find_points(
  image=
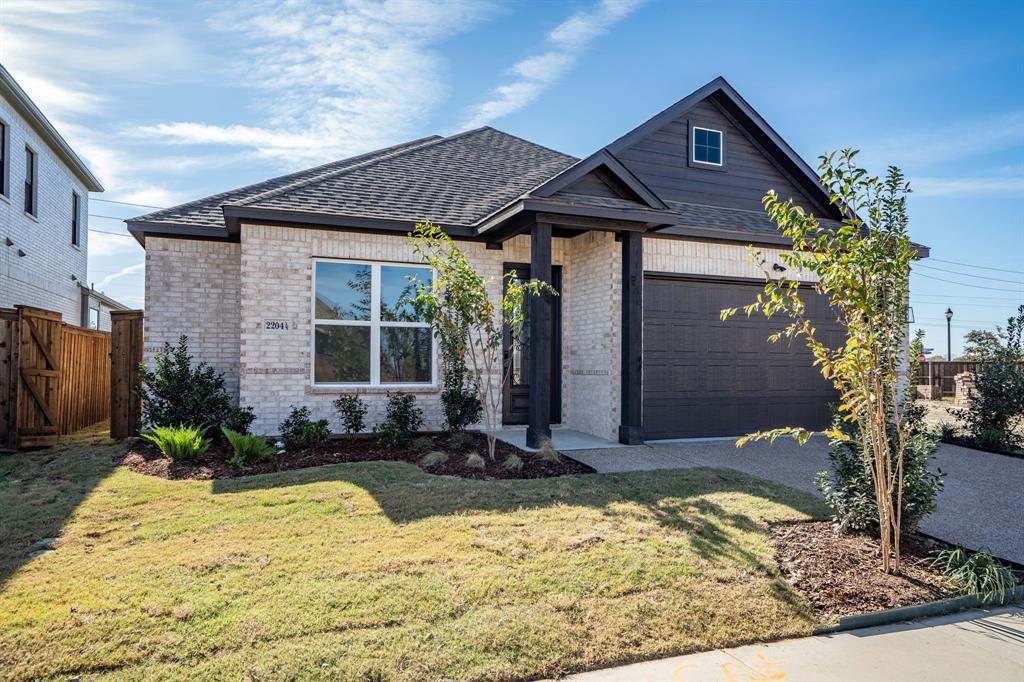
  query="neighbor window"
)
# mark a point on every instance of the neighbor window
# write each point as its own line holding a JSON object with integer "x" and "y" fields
{"x": 76, "y": 209}
{"x": 94, "y": 318}
{"x": 30, "y": 181}
{"x": 707, "y": 146}
{"x": 365, "y": 327}
{"x": 3, "y": 158}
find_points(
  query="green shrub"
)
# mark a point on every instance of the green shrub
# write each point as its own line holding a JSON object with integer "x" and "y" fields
{"x": 184, "y": 443}
{"x": 433, "y": 458}
{"x": 298, "y": 431}
{"x": 352, "y": 412}
{"x": 996, "y": 410}
{"x": 249, "y": 449}
{"x": 512, "y": 463}
{"x": 948, "y": 431}
{"x": 547, "y": 451}
{"x": 460, "y": 399}
{"x": 976, "y": 573}
{"x": 422, "y": 445}
{"x": 460, "y": 440}
{"x": 475, "y": 461}
{"x": 176, "y": 392}
{"x": 401, "y": 420}
{"x": 850, "y": 491}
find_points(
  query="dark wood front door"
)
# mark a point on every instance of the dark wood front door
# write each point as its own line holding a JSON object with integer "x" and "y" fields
{"x": 516, "y": 391}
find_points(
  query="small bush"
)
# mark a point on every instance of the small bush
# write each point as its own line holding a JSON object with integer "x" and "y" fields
{"x": 422, "y": 445}
{"x": 512, "y": 463}
{"x": 184, "y": 443}
{"x": 352, "y": 412}
{"x": 992, "y": 438}
{"x": 460, "y": 440}
{"x": 459, "y": 395}
{"x": 977, "y": 572}
{"x": 948, "y": 431}
{"x": 249, "y": 449}
{"x": 174, "y": 392}
{"x": 475, "y": 461}
{"x": 401, "y": 420}
{"x": 433, "y": 458}
{"x": 547, "y": 451}
{"x": 238, "y": 419}
{"x": 297, "y": 431}
{"x": 850, "y": 491}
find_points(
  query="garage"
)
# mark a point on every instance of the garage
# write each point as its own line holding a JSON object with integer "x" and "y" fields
{"x": 705, "y": 378}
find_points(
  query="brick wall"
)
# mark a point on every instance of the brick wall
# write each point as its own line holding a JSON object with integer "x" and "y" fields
{"x": 192, "y": 288}
{"x": 705, "y": 258}
{"x": 42, "y": 277}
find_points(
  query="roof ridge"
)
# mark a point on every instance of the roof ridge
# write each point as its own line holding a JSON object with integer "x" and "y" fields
{"x": 530, "y": 142}
{"x": 213, "y": 197}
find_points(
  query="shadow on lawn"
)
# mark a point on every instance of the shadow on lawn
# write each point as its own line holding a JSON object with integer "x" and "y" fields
{"x": 675, "y": 499}
{"x": 41, "y": 489}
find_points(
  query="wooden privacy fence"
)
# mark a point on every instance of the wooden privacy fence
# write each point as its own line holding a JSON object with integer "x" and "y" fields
{"x": 54, "y": 377}
{"x": 940, "y": 374}
{"x": 125, "y": 359}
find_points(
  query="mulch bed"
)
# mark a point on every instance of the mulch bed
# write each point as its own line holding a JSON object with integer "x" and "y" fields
{"x": 145, "y": 458}
{"x": 841, "y": 575}
{"x": 970, "y": 443}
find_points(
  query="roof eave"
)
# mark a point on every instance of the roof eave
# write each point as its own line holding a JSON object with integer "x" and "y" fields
{"x": 234, "y": 215}
{"x": 28, "y": 110}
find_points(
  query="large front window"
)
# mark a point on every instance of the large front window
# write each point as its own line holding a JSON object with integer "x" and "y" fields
{"x": 365, "y": 327}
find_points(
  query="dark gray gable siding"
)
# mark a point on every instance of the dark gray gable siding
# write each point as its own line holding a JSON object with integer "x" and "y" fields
{"x": 660, "y": 160}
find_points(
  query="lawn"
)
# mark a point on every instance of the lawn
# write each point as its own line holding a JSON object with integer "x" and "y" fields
{"x": 378, "y": 571}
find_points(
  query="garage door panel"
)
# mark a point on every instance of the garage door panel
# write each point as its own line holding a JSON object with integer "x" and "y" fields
{"x": 705, "y": 377}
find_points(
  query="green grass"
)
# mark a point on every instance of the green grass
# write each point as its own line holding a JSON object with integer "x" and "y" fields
{"x": 354, "y": 570}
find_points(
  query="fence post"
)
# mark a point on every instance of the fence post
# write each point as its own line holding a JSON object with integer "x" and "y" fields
{"x": 8, "y": 378}
{"x": 125, "y": 358}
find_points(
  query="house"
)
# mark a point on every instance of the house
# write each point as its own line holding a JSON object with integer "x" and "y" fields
{"x": 291, "y": 286}
{"x": 44, "y": 214}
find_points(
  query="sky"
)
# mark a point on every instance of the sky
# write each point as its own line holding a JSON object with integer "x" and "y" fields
{"x": 173, "y": 101}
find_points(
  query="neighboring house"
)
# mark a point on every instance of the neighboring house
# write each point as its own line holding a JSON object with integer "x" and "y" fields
{"x": 292, "y": 286}
{"x": 44, "y": 212}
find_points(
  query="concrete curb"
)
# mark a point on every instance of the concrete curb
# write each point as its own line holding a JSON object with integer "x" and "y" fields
{"x": 928, "y": 610}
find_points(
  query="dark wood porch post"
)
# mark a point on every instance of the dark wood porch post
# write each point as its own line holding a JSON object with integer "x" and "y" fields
{"x": 539, "y": 421}
{"x": 631, "y": 390}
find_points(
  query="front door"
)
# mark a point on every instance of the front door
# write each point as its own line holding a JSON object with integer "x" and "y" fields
{"x": 516, "y": 391}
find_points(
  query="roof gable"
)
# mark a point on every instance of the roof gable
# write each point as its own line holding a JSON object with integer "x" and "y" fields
{"x": 600, "y": 174}
{"x": 757, "y": 158}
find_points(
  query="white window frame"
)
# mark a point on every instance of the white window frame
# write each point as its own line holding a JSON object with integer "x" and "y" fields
{"x": 693, "y": 146}
{"x": 374, "y": 323}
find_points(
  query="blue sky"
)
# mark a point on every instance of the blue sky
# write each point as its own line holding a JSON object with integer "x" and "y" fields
{"x": 174, "y": 101}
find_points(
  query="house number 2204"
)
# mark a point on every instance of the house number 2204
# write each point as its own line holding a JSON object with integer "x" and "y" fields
{"x": 276, "y": 325}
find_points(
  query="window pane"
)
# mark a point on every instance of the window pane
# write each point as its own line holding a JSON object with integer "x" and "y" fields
{"x": 342, "y": 354}
{"x": 397, "y": 292}
{"x": 715, "y": 139}
{"x": 405, "y": 355}
{"x": 700, "y": 136}
{"x": 700, "y": 153}
{"x": 342, "y": 291}
{"x": 714, "y": 155}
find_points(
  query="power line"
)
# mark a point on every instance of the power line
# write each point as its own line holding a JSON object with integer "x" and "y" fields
{"x": 944, "y": 297}
{"x": 116, "y": 234}
{"x": 111, "y": 217}
{"x": 125, "y": 203}
{"x": 967, "y": 274}
{"x": 980, "y": 267}
{"x": 965, "y": 284}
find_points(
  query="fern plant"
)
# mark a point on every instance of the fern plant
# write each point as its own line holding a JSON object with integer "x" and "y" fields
{"x": 976, "y": 573}
{"x": 249, "y": 449}
{"x": 184, "y": 443}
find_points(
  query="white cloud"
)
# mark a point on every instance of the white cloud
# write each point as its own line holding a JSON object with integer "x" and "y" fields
{"x": 535, "y": 74}
{"x": 331, "y": 81}
{"x": 106, "y": 281}
{"x": 962, "y": 140}
{"x": 103, "y": 244}
{"x": 1010, "y": 185}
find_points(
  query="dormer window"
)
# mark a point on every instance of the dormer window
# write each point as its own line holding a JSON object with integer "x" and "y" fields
{"x": 706, "y": 146}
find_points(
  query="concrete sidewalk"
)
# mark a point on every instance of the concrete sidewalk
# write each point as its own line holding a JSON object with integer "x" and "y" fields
{"x": 979, "y": 507}
{"x": 976, "y": 646}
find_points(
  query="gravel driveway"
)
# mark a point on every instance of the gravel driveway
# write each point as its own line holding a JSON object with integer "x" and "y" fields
{"x": 982, "y": 504}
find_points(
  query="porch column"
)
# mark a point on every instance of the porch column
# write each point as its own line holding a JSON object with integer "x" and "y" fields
{"x": 631, "y": 389}
{"x": 539, "y": 419}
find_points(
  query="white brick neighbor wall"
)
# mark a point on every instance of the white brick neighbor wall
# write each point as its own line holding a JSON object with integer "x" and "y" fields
{"x": 42, "y": 277}
{"x": 220, "y": 293}
{"x": 192, "y": 288}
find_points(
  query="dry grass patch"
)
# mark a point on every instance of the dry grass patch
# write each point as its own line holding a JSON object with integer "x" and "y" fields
{"x": 350, "y": 570}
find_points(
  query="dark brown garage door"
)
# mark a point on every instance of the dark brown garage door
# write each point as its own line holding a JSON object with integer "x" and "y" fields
{"x": 704, "y": 377}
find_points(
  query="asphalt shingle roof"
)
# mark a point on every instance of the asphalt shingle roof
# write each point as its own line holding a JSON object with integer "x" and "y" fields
{"x": 455, "y": 180}
{"x": 700, "y": 215}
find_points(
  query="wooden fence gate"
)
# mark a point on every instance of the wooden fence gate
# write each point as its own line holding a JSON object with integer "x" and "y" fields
{"x": 54, "y": 377}
{"x": 125, "y": 359}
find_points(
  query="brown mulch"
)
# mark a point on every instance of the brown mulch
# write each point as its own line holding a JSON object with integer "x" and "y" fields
{"x": 841, "y": 575}
{"x": 145, "y": 458}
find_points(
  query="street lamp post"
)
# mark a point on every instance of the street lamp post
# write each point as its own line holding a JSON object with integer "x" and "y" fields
{"x": 949, "y": 334}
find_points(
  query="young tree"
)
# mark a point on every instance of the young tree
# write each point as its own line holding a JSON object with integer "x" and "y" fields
{"x": 460, "y": 310}
{"x": 980, "y": 345}
{"x": 863, "y": 267}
